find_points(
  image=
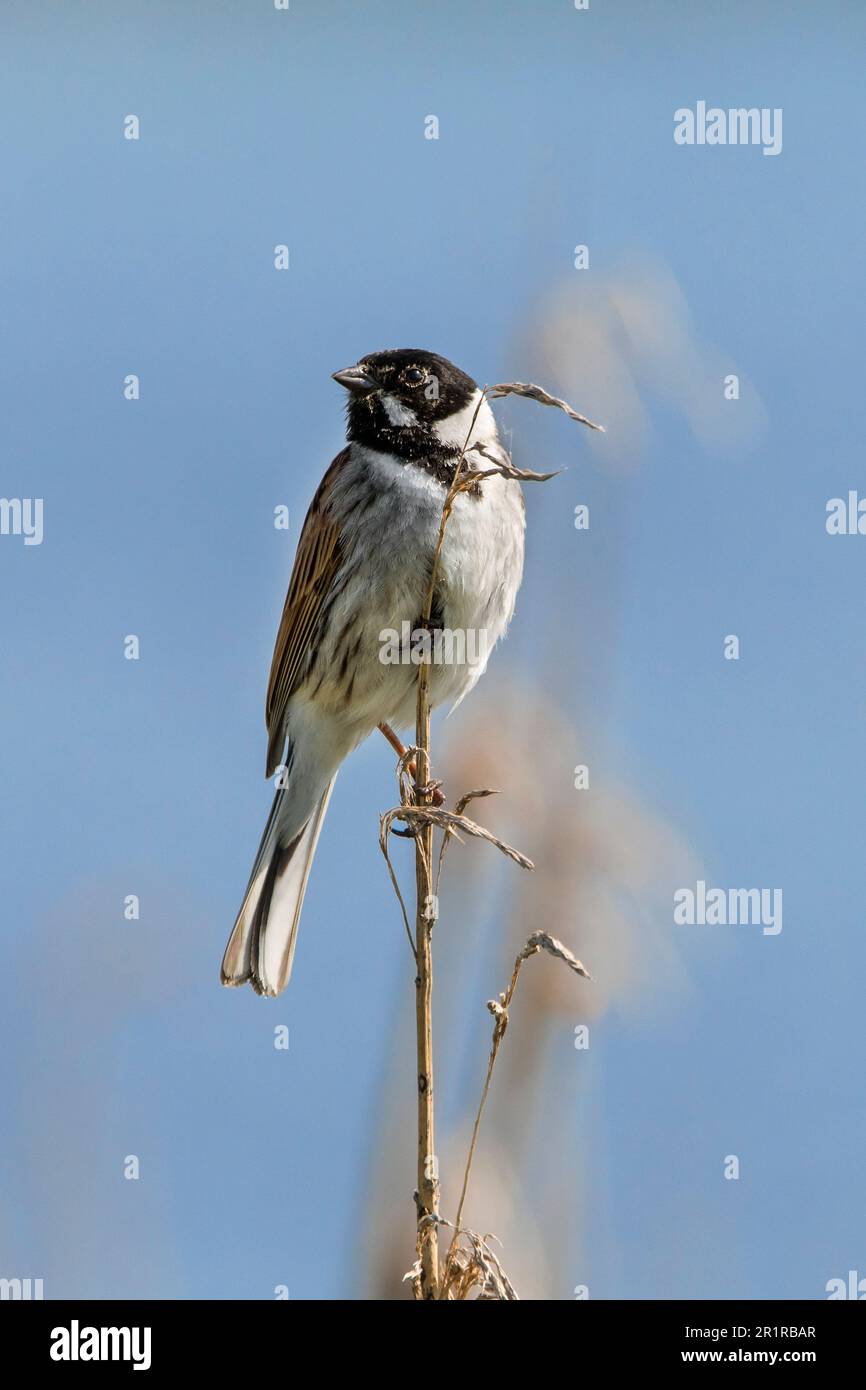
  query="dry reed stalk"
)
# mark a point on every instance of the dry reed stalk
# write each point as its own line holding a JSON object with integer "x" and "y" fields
{"x": 539, "y": 941}
{"x": 428, "y": 1178}
{"x": 475, "y": 1265}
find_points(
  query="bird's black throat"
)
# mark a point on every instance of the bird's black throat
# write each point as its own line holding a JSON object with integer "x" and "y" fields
{"x": 414, "y": 445}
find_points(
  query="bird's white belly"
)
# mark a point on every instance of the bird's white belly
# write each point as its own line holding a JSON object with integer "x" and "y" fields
{"x": 479, "y": 572}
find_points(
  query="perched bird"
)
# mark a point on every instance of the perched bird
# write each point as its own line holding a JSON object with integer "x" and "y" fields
{"x": 362, "y": 569}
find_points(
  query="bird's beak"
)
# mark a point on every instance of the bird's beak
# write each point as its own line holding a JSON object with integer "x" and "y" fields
{"x": 355, "y": 379}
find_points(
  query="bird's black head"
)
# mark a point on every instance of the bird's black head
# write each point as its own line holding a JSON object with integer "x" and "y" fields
{"x": 399, "y": 397}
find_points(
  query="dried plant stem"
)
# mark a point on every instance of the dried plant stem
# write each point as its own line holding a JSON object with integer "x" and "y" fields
{"x": 539, "y": 941}
{"x": 424, "y": 812}
{"x": 500, "y": 1023}
{"x": 538, "y": 393}
{"x": 428, "y": 1179}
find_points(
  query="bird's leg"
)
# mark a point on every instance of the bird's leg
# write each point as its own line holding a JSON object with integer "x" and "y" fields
{"x": 437, "y": 796}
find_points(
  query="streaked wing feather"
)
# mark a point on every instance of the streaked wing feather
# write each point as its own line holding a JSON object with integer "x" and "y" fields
{"x": 316, "y": 565}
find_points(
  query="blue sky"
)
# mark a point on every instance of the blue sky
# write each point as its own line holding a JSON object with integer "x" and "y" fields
{"x": 155, "y": 257}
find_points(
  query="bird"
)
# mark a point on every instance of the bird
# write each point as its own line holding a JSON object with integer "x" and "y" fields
{"x": 361, "y": 575}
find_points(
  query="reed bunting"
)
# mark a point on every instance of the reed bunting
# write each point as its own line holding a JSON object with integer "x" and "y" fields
{"x": 362, "y": 569}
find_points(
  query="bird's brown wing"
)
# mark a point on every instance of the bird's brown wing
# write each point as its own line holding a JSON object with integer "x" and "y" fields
{"x": 316, "y": 564}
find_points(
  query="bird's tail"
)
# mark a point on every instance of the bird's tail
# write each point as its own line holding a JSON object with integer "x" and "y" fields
{"x": 262, "y": 943}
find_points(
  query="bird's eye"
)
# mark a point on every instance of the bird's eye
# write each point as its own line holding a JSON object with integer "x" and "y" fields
{"x": 413, "y": 376}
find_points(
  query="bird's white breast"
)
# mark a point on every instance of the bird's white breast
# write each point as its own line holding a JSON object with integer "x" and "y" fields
{"x": 396, "y": 530}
